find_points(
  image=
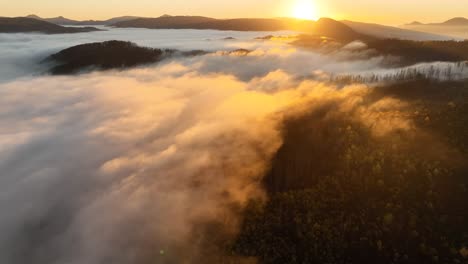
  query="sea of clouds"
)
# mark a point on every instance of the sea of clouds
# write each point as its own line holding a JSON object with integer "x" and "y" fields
{"x": 151, "y": 164}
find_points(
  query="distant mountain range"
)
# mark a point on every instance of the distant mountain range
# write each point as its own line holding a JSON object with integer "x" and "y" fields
{"x": 339, "y": 30}
{"x": 457, "y": 21}
{"x": 455, "y": 27}
{"x": 70, "y": 22}
{"x": 325, "y": 26}
{"x": 23, "y": 24}
{"x": 387, "y": 32}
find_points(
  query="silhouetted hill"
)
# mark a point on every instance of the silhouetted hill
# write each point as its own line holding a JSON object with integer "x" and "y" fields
{"x": 119, "y": 19}
{"x": 399, "y": 52}
{"x": 35, "y": 17}
{"x": 324, "y": 27}
{"x": 415, "y": 23}
{"x": 22, "y": 24}
{"x": 334, "y": 29}
{"x": 65, "y": 21}
{"x": 455, "y": 27}
{"x": 387, "y": 32}
{"x": 61, "y": 21}
{"x": 164, "y": 22}
{"x": 412, "y": 52}
{"x": 108, "y": 55}
{"x": 103, "y": 55}
{"x": 456, "y": 21}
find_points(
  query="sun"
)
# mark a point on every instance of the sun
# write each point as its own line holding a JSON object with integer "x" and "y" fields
{"x": 305, "y": 9}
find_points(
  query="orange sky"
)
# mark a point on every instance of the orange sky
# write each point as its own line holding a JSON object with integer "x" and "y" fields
{"x": 392, "y": 12}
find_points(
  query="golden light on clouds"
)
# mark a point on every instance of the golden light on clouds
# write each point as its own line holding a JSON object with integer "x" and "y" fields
{"x": 305, "y": 9}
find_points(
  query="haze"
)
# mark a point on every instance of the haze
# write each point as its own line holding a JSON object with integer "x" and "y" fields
{"x": 310, "y": 137}
{"x": 387, "y": 12}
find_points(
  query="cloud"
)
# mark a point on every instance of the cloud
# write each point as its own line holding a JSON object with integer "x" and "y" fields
{"x": 120, "y": 165}
{"x": 21, "y": 53}
{"x": 154, "y": 164}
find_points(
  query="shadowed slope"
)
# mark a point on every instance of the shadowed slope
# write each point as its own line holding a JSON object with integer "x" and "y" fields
{"x": 65, "y": 21}
{"x": 108, "y": 55}
{"x": 386, "y": 32}
{"x": 22, "y": 24}
{"x": 323, "y": 27}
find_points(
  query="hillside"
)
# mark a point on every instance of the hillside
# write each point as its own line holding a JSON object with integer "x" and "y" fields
{"x": 65, "y": 21}
{"x": 411, "y": 52}
{"x": 103, "y": 55}
{"x": 108, "y": 55}
{"x": 22, "y": 24}
{"x": 456, "y": 27}
{"x": 457, "y": 21}
{"x": 56, "y": 20}
{"x": 400, "y": 52}
{"x": 164, "y": 22}
{"x": 324, "y": 27}
{"x": 387, "y": 32}
{"x": 338, "y": 194}
{"x": 331, "y": 28}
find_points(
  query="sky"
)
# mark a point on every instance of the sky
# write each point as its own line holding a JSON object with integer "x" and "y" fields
{"x": 395, "y": 12}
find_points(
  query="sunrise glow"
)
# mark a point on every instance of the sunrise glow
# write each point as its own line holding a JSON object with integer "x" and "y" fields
{"x": 305, "y": 9}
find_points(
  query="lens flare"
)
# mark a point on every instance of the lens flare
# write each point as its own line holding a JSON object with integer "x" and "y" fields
{"x": 305, "y": 9}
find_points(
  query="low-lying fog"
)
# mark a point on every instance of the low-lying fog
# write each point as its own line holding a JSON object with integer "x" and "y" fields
{"x": 129, "y": 166}
{"x": 22, "y": 53}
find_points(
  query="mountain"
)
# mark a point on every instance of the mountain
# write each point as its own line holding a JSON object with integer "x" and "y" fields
{"x": 34, "y": 17}
{"x": 164, "y": 22}
{"x": 324, "y": 27}
{"x": 455, "y": 27}
{"x": 65, "y": 21}
{"x": 415, "y": 23}
{"x": 55, "y": 20}
{"x": 119, "y": 19}
{"x": 457, "y": 21}
{"x": 102, "y": 55}
{"x": 331, "y": 28}
{"x": 23, "y": 24}
{"x": 413, "y": 52}
{"x": 61, "y": 21}
{"x": 199, "y": 22}
{"x": 387, "y": 32}
{"x": 107, "y": 55}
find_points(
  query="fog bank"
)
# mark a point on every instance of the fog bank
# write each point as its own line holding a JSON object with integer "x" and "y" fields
{"x": 154, "y": 164}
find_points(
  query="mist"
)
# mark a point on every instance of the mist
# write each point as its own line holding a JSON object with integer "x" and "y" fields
{"x": 154, "y": 164}
{"x": 165, "y": 156}
{"x": 22, "y": 53}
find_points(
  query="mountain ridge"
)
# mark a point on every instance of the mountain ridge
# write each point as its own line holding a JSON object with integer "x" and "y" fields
{"x": 388, "y": 32}
{"x": 455, "y": 27}
{"x": 60, "y": 20}
{"x": 26, "y": 25}
{"x": 456, "y": 21}
{"x": 324, "y": 26}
